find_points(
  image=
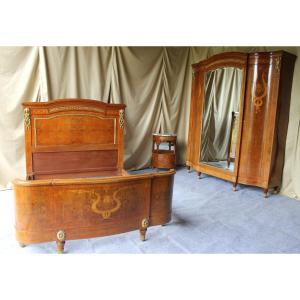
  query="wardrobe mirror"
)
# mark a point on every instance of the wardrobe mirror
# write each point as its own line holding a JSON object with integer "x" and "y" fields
{"x": 220, "y": 117}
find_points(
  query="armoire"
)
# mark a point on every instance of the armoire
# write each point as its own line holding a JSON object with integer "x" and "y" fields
{"x": 239, "y": 116}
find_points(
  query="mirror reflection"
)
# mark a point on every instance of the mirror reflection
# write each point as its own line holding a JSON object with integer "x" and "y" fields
{"x": 221, "y": 117}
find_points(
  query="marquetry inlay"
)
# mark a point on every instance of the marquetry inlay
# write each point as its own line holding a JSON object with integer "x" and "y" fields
{"x": 105, "y": 205}
{"x": 260, "y": 93}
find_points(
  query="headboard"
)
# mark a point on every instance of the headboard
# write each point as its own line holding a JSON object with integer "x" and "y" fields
{"x": 71, "y": 138}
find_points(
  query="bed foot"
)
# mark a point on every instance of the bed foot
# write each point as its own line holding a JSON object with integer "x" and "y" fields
{"x": 143, "y": 235}
{"x": 22, "y": 245}
{"x": 143, "y": 229}
{"x": 60, "y": 247}
{"x": 60, "y": 243}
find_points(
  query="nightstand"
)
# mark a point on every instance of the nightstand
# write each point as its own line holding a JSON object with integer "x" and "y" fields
{"x": 164, "y": 151}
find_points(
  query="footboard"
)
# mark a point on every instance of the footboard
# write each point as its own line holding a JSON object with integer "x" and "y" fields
{"x": 68, "y": 209}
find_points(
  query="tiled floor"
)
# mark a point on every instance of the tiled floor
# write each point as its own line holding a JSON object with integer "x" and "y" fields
{"x": 207, "y": 218}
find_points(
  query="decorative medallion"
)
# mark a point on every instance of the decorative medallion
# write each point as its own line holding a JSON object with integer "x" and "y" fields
{"x": 260, "y": 93}
{"x": 61, "y": 235}
{"x": 27, "y": 118}
{"x": 121, "y": 120}
{"x": 145, "y": 223}
{"x": 105, "y": 205}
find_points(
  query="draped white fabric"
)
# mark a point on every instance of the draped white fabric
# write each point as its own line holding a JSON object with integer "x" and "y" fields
{"x": 137, "y": 82}
{"x": 154, "y": 83}
{"x": 76, "y": 72}
{"x": 19, "y": 81}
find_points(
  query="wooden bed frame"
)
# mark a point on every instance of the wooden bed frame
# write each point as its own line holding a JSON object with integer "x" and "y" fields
{"x": 76, "y": 186}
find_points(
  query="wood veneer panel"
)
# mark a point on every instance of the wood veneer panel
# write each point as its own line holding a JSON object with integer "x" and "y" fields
{"x": 86, "y": 208}
{"x": 74, "y": 129}
{"x": 63, "y": 162}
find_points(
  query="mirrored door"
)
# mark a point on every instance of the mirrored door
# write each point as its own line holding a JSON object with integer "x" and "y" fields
{"x": 220, "y": 117}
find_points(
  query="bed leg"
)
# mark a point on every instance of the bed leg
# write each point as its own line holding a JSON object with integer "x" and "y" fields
{"x": 143, "y": 229}
{"x": 60, "y": 247}
{"x": 143, "y": 234}
{"x": 60, "y": 242}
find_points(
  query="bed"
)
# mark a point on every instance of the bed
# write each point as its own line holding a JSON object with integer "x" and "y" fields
{"x": 76, "y": 186}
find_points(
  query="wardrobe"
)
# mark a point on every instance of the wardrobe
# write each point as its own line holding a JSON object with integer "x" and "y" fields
{"x": 239, "y": 116}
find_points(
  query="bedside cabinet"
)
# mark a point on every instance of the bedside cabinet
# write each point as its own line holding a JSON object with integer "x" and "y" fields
{"x": 164, "y": 151}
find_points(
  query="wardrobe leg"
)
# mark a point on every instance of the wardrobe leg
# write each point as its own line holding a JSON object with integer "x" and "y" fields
{"x": 234, "y": 187}
{"x": 266, "y": 193}
{"x": 199, "y": 175}
{"x": 276, "y": 190}
{"x": 22, "y": 245}
{"x": 188, "y": 168}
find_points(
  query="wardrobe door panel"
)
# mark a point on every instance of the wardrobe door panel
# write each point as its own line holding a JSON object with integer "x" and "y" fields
{"x": 259, "y": 118}
{"x": 286, "y": 65}
{"x": 217, "y": 97}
